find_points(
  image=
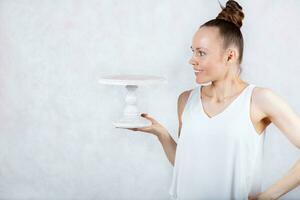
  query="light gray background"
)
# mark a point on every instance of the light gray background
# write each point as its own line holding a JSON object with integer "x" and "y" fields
{"x": 56, "y": 135}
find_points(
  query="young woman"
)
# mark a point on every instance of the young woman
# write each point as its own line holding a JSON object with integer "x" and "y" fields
{"x": 222, "y": 125}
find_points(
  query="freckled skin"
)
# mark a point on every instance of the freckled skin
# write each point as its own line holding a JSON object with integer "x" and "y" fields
{"x": 215, "y": 61}
{"x": 221, "y": 67}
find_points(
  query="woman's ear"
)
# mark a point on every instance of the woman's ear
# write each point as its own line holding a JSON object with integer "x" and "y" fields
{"x": 231, "y": 55}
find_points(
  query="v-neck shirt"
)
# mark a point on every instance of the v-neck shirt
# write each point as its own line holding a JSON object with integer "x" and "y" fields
{"x": 217, "y": 157}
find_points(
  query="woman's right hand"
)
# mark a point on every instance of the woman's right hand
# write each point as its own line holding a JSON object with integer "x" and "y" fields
{"x": 155, "y": 128}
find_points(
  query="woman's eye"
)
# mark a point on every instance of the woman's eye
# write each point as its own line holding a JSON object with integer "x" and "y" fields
{"x": 201, "y": 53}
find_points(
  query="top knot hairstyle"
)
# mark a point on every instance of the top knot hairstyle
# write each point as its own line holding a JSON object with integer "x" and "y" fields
{"x": 229, "y": 22}
{"x": 232, "y": 13}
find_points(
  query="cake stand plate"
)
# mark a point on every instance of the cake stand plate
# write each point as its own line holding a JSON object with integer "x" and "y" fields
{"x": 131, "y": 117}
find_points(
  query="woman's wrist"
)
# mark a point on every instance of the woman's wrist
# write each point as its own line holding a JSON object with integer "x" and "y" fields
{"x": 265, "y": 196}
{"x": 161, "y": 134}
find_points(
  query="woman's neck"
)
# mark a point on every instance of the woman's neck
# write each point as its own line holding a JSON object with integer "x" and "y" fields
{"x": 221, "y": 91}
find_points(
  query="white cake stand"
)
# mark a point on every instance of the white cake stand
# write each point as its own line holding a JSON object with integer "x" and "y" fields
{"x": 131, "y": 117}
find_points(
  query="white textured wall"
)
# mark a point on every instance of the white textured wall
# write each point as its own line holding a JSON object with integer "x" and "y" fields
{"x": 56, "y": 136}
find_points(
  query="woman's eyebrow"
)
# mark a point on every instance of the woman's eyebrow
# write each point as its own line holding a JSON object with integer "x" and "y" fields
{"x": 199, "y": 48}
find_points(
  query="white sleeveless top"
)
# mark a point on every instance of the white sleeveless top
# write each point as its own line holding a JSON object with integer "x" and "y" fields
{"x": 218, "y": 157}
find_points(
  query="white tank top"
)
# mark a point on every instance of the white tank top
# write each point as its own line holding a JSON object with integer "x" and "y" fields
{"x": 218, "y": 157}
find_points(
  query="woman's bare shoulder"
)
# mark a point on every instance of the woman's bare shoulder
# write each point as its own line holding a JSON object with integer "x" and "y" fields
{"x": 182, "y": 99}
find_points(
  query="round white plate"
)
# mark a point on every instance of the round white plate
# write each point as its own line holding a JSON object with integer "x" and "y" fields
{"x": 132, "y": 79}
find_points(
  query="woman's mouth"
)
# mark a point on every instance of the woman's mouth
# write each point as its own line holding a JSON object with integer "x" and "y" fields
{"x": 198, "y": 71}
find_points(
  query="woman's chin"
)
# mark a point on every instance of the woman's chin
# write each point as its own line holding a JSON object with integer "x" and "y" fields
{"x": 200, "y": 80}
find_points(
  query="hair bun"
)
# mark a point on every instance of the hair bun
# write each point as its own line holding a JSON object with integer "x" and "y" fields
{"x": 232, "y": 13}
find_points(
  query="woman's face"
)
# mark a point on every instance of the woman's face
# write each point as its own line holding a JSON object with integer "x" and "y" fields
{"x": 208, "y": 55}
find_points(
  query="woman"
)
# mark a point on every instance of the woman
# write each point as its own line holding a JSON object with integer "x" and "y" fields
{"x": 222, "y": 125}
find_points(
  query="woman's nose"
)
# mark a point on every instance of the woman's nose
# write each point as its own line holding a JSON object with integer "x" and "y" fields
{"x": 192, "y": 61}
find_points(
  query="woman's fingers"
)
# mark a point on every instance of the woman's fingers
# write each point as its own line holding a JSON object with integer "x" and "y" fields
{"x": 140, "y": 129}
{"x": 133, "y": 129}
{"x": 143, "y": 129}
{"x": 147, "y": 128}
{"x": 145, "y": 115}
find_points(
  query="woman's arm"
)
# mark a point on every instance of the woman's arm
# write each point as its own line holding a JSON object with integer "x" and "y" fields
{"x": 168, "y": 143}
{"x": 284, "y": 118}
{"x": 285, "y": 184}
{"x": 169, "y": 146}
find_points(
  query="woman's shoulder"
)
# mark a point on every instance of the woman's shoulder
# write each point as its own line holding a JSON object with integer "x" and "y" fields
{"x": 264, "y": 98}
{"x": 183, "y": 96}
{"x": 261, "y": 92}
